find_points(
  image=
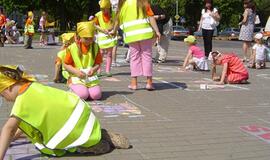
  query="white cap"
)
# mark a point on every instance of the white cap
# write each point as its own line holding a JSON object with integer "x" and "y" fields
{"x": 258, "y": 36}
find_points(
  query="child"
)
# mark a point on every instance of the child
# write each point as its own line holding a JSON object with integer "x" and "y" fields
{"x": 42, "y": 29}
{"x": 258, "y": 57}
{"x": 60, "y": 74}
{"x": 82, "y": 61}
{"x": 29, "y": 31}
{"x": 135, "y": 18}
{"x": 195, "y": 57}
{"x": 233, "y": 72}
{"x": 104, "y": 24}
{"x": 64, "y": 122}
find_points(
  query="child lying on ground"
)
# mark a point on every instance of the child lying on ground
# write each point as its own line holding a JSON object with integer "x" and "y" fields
{"x": 195, "y": 59}
{"x": 233, "y": 72}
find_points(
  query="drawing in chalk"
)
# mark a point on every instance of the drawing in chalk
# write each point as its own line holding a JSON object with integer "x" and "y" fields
{"x": 23, "y": 149}
{"x": 115, "y": 110}
{"x": 260, "y": 132}
{"x": 111, "y": 79}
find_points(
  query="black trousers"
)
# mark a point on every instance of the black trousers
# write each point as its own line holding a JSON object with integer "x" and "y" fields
{"x": 207, "y": 39}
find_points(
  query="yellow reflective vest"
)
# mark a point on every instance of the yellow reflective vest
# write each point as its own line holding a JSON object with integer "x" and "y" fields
{"x": 105, "y": 41}
{"x": 29, "y": 28}
{"x": 86, "y": 61}
{"x": 135, "y": 27}
{"x": 62, "y": 55}
{"x": 56, "y": 121}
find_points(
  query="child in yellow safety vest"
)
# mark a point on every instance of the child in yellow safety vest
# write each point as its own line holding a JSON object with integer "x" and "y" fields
{"x": 136, "y": 19}
{"x": 104, "y": 24}
{"x": 64, "y": 122}
{"x": 82, "y": 61}
{"x": 60, "y": 74}
{"x": 29, "y": 31}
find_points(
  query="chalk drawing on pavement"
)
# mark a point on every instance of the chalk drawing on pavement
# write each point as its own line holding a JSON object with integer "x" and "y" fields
{"x": 115, "y": 110}
{"x": 23, "y": 149}
{"x": 111, "y": 79}
{"x": 261, "y": 132}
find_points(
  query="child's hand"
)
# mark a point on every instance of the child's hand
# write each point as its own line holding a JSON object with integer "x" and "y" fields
{"x": 81, "y": 75}
{"x": 216, "y": 78}
{"x": 91, "y": 72}
{"x": 219, "y": 83}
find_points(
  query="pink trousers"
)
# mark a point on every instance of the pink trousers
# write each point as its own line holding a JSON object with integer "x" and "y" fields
{"x": 141, "y": 58}
{"x": 93, "y": 93}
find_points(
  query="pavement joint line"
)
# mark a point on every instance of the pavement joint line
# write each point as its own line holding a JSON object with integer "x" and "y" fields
{"x": 145, "y": 108}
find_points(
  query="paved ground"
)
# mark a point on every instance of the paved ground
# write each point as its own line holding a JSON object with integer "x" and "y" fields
{"x": 178, "y": 121}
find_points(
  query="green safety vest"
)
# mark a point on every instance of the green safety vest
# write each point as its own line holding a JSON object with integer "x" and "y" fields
{"x": 29, "y": 29}
{"x": 56, "y": 121}
{"x": 62, "y": 55}
{"x": 104, "y": 41}
{"x": 135, "y": 27}
{"x": 85, "y": 62}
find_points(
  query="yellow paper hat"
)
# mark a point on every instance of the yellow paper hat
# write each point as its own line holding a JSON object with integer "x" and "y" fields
{"x": 30, "y": 14}
{"x": 10, "y": 75}
{"x": 67, "y": 38}
{"x": 190, "y": 39}
{"x": 105, "y": 4}
{"x": 86, "y": 29}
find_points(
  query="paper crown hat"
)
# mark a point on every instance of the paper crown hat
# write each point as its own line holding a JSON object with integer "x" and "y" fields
{"x": 30, "y": 14}
{"x": 190, "y": 39}
{"x": 105, "y": 4}
{"x": 85, "y": 29}
{"x": 10, "y": 75}
{"x": 67, "y": 37}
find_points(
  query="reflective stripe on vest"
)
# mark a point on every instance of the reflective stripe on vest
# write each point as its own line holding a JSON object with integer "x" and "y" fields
{"x": 53, "y": 131}
{"x": 105, "y": 41}
{"x": 68, "y": 127}
{"x": 87, "y": 61}
{"x": 135, "y": 27}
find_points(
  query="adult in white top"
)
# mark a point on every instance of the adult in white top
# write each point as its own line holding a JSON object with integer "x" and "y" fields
{"x": 209, "y": 20}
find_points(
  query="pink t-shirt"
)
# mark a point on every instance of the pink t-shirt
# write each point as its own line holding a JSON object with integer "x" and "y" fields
{"x": 236, "y": 69}
{"x": 196, "y": 51}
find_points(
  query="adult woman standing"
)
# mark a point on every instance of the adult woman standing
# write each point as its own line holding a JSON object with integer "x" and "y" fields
{"x": 248, "y": 22}
{"x": 208, "y": 23}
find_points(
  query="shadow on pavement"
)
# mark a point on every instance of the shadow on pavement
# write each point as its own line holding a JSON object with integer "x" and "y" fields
{"x": 107, "y": 94}
{"x": 171, "y": 85}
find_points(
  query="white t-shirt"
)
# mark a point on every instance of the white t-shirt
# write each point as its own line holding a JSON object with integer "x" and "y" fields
{"x": 260, "y": 51}
{"x": 207, "y": 20}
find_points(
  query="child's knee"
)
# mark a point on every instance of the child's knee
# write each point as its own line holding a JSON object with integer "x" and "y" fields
{"x": 96, "y": 95}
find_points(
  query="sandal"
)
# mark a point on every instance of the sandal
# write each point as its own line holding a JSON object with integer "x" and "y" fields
{"x": 132, "y": 87}
{"x": 150, "y": 87}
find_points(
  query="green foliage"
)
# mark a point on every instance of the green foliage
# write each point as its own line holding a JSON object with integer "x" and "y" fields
{"x": 72, "y": 11}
